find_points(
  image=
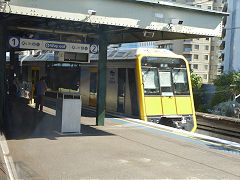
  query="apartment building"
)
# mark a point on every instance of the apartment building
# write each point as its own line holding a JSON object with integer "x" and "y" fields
{"x": 202, "y": 54}
{"x": 231, "y": 36}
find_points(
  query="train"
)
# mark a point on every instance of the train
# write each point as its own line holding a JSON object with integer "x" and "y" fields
{"x": 150, "y": 84}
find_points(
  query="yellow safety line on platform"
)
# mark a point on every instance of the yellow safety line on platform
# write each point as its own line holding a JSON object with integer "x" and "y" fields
{"x": 219, "y": 144}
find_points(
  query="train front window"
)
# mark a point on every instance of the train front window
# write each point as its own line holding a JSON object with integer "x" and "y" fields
{"x": 180, "y": 82}
{"x": 166, "y": 83}
{"x": 164, "y": 76}
{"x": 150, "y": 81}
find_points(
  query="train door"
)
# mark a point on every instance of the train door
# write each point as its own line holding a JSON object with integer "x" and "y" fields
{"x": 93, "y": 87}
{"x": 35, "y": 76}
{"x": 121, "y": 90}
{"x": 132, "y": 81}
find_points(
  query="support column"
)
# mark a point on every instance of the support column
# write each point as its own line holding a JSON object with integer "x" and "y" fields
{"x": 12, "y": 57}
{"x": 2, "y": 74}
{"x": 12, "y": 66}
{"x": 101, "y": 93}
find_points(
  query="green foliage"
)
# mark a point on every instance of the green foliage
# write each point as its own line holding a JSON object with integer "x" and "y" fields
{"x": 202, "y": 108}
{"x": 236, "y": 83}
{"x": 196, "y": 85}
{"x": 224, "y": 80}
{"x": 196, "y": 81}
{"x": 220, "y": 96}
{"x": 226, "y": 85}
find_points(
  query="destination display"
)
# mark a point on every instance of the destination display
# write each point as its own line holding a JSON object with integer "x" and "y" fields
{"x": 76, "y": 57}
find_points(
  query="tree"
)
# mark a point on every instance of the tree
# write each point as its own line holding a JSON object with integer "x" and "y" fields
{"x": 236, "y": 84}
{"x": 225, "y": 86}
{"x": 196, "y": 85}
{"x": 196, "y": 81}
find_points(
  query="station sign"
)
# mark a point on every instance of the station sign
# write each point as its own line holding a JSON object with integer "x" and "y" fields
{"x": 27, "y": 43}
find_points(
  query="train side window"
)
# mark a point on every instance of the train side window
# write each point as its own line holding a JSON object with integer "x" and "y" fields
{"x": 150, "y": 81}
{"x": 180, "y": 82}
{"x": 166, "y": 83}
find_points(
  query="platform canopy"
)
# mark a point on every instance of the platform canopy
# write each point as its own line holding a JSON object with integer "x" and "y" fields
{"x": 103, "y": 22}
{"x": 123, "y": 21}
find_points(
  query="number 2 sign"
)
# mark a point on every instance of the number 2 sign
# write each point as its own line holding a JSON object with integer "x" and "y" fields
{"x": 94, "y": 48}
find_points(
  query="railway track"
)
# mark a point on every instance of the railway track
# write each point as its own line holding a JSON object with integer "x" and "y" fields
{"x": 222, "y": 129}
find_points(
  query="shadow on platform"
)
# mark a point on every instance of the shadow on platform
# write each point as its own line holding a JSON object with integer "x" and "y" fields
{"x": 24, "y": 122}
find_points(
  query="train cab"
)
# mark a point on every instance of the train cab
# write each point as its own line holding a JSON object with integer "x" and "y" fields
{"x": 165, "y": 90}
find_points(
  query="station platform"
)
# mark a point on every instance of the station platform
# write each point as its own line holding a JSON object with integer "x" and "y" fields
{"x": 122, "y": 149}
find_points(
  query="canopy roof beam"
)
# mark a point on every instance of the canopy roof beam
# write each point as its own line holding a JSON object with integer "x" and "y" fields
{"x": 125, "y": 16}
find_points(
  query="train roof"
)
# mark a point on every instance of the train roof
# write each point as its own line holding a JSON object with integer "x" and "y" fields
{"x": 112, "y": 54}
{"x": 40, "y": 57}
{"x": 132, "y": 53}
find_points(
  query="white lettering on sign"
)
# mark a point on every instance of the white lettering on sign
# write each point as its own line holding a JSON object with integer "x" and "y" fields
{"x": 25, "y": 43}
{"x": 30, "y": 43}
{"x": 76, "y": 47}
{"x": 55, "y": 45}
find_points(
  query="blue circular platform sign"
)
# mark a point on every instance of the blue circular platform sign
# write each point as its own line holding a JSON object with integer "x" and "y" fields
{"x": 13, "y": 42}
{"x": 93, "y": 48}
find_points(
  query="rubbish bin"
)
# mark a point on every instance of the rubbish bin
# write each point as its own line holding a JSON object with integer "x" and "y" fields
{"x": 68, "y": 113}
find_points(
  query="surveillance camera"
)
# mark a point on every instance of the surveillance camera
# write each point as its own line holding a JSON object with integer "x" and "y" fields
{"x": 180, "y": 22}
{"x": 176, "y": 21}
{"x": 92, "y": 12}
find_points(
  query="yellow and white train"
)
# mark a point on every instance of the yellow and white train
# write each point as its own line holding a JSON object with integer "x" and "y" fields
{"x": 151, "y": 84}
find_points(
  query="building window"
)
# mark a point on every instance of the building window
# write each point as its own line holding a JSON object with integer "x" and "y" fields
{"x": 206, "y": 57}
{"x": 195, "y": 56}
{"x": 212, "y": 48}
{"x": 205, "y": 76}
{"x": 214, "y": 8}
{"x": 196, "y": 46}
{"x": 212, "y": 58}
{"x": 195, "y": 66}
{"x": 199, "y": 6}
{"x": 215, "y": 1}
{"x": 207, "y": 47}
{"x": 190, "y": 0}
{"x": 211, "y": 67}
{"x": 187, "y": 49}
{"x": 209, "y": 7}
{"x": 211, "y": 76}
{"x": 206, "y": 67}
